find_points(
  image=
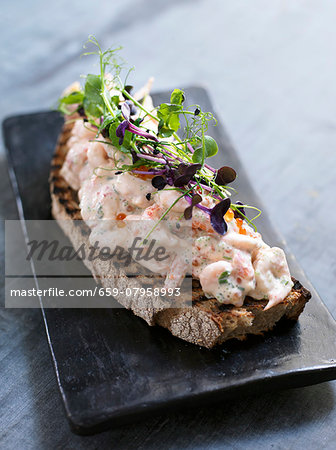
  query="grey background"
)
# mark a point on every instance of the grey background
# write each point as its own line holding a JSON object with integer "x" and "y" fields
{"x": 270, "y": 68}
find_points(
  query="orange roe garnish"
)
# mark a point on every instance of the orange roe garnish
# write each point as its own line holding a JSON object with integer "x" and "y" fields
{"x": 229, "y": 215}
{"x": 121, "y": 216}
{"x": 239, "y": 223}
{"x": 142, "y": 175}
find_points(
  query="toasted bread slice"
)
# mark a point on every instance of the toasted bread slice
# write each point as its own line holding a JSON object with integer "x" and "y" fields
{"x": 207, "y": 322}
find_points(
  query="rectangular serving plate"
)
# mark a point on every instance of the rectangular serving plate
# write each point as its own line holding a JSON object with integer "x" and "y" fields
{"x": 111, "y": 367}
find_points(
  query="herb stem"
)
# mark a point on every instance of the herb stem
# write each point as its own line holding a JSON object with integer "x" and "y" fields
{"x": 107, "y": 103}
{"x": 151, "y": 158}
{"x": 102, "y": 76}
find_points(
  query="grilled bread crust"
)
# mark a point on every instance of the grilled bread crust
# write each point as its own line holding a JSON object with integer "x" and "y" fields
{"x": 207, "y": 323}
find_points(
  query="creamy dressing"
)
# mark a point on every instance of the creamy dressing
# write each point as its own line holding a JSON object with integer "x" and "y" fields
{"x": 229, "y": 267}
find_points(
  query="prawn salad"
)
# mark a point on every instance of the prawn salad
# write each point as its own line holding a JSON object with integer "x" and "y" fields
{"x": 127, "y": 163}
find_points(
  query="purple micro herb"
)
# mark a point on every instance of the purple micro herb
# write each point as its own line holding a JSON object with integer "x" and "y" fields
{"x": 225, "y": 175}
{"x": 169, "y": 175}
{"x": 239, "y": 213}
{"x": 185, "y": 173}
{"x": 81, "y": 111}
{"x": 159, "y": 182}
{"x": 148, "y": 172}
{"x": 120, "y": 131}
{"x": 136, "y": 130}
{"x": 151, "y": 158}
{"x": 133, "y": 108}
{"x": 190, "y": 147}
{"x": 196, "y": 198}
{"x": 135, "y": 157}
{"x": 128, "y": 88}
{"x": 217, "y": 216}
{"x": 126, "y": 110}
{"x": 127, "y": 125}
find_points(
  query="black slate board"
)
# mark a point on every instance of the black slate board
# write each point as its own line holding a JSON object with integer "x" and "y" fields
{"x": 111, "y": 367}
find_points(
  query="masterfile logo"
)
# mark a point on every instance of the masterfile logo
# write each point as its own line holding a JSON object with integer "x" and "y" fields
{"x": 107, "y": 261}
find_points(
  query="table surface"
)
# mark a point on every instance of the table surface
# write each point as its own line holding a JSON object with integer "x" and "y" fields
{"x": 269, "y": 67}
